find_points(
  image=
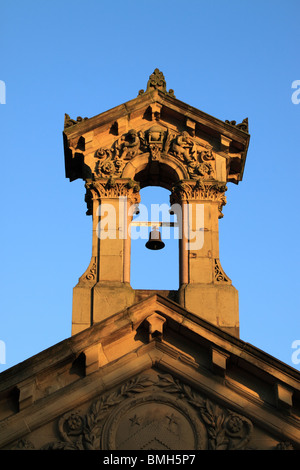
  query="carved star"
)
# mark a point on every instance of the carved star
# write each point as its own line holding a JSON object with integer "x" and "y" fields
{"x": 171, "y": 419}
{"x": 135, "y": 420}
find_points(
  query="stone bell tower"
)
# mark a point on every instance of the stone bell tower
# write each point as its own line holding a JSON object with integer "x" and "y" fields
{"x": 155, "y": 140}
{"x": 152, "y": 370}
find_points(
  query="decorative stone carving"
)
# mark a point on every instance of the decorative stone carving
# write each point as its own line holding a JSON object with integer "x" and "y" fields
{"x": 112, "y": 161}
{"x": 243, "y": 126}
{"x": 197, "y": 159}
{"x": 220, "y": 276}
{"x": 128, "y": 146}
{"x": 153, "y": 411}
{"x": 112, "y": 188}
{"x": 158, "y": 142}
{"x": 157, "y": 82}
{"x": 284, "y": 446}
{"x": 155, "y": 139}
{"x": 107, "y": 165}
{"x": 24, "y": 444}
{"x": 71, "y": 122}
{"x": 91, "y": 273}
{"x": 200, "y": 190}
{"x": 184, "y": 147}
{"x": 160, "y": 422}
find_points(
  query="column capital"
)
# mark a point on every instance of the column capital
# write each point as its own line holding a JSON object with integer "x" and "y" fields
{"x": 103, "y": 188}
{"x": 198, "y": 190}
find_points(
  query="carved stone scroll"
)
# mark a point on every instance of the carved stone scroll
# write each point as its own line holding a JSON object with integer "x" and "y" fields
{"x": 243, "y": 126}
{"x": 220, "y": 275}
{"x": 71, "y": 122}
{"x": 158, "y": 143}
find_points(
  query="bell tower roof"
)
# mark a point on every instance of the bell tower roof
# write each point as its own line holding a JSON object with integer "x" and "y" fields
{"x": 156, "y": 104}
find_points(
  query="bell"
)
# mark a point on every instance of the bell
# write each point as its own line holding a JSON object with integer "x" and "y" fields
{"x": 155, "y": 242}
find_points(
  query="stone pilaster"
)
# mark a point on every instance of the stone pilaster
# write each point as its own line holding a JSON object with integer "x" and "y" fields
{"x": 104, "y": 288}
{"x": 204, "y": 287}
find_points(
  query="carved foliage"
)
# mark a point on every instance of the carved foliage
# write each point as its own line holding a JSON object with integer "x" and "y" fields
{"x": 70, "y": 122}
{"x": 200, "y": 190}
{"x": 199, "y": 160}
{"x": 225, "y": 429}
{"x": 157, "y": 82}
{"x": 111, "y": 188}
{"x": 243, "y": 126}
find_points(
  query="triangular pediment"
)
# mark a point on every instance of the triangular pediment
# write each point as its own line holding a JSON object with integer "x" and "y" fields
{"x": 88, "y": 141}
{"x": 153, "y": 366}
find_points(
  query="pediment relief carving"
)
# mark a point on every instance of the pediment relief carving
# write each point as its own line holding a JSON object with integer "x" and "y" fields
{"x": 151, "y": 411}
{"x": 159, "y": 143}
{"x": 160, "y": 106}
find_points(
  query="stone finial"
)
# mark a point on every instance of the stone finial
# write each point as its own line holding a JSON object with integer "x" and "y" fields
{"x": 157, "y": 82}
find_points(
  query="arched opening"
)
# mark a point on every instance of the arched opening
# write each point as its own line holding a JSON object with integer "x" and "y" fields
{"x": 154, "y": 270}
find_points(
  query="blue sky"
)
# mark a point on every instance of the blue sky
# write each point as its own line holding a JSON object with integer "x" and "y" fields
{"x": 229, "y": 59}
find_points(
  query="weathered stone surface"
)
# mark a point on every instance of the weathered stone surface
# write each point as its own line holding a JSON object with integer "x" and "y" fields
{"x": 155, "y": 139}
{"x": 152, "y": 370}
{"x": 116, "y": 385}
